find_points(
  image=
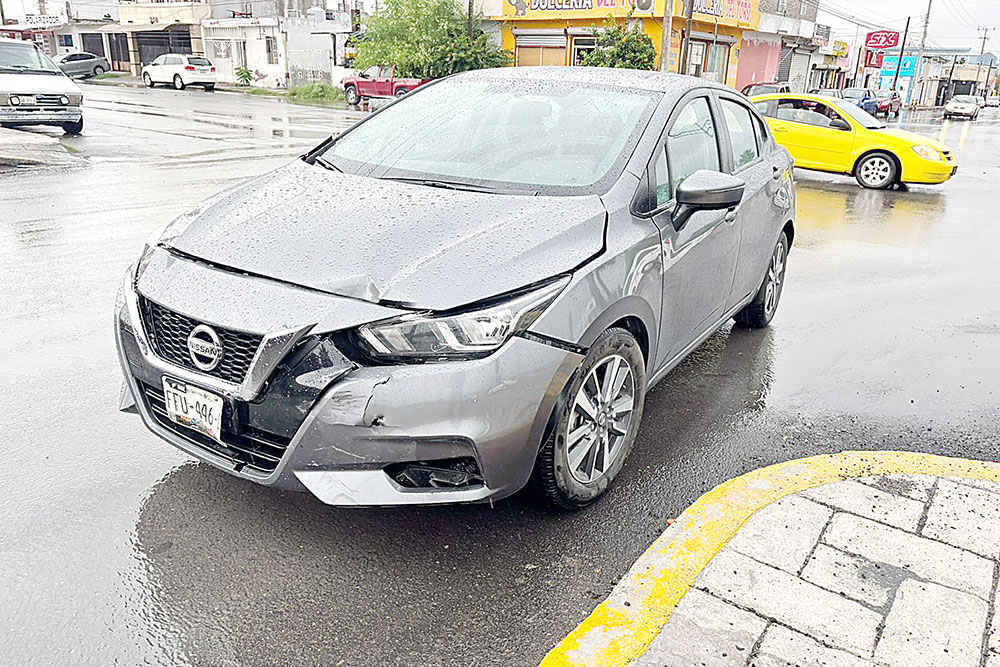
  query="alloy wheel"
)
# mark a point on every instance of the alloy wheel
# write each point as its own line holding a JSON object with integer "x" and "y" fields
{"x": 600, "y": 419}
{"x": 775, "y": 274}
{"x": 876, "y": 171}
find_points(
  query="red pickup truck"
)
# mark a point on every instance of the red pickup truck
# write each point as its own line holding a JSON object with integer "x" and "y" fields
{"x": 377, "y": 82}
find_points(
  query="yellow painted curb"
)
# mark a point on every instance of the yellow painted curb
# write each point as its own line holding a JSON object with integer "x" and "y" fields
{"x": 620, "y": 628}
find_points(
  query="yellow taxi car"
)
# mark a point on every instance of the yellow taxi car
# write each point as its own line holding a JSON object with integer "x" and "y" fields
{"x": 834, "y": 135}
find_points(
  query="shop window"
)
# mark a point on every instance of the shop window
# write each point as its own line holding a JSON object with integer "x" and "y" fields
{"x": 540, "y": 55}
{"x": 708, "y": 61}
{"x": 65, "y": 40}
{"x": 741, "y": 133}
{"x": 272, "y": 50}
{"x": 692, "y": 143}
{"x": 581, "y": 47}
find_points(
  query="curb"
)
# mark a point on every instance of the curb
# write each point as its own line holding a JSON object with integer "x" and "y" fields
{"x": 621, "y": 628}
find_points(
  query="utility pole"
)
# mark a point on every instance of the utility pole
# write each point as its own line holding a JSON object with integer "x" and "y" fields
{"x": 2, "y": 20}
{"x": 951, "y": 75}
{"x": 920, "y": 58}
{"x": 666, "y": 39}
{"x": 686, "y": 51}
{"x": 902, "y": 47}
{"x": 982, "y": 49}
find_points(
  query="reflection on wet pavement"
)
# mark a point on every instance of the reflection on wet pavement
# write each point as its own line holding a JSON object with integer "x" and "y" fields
{"x": 116, "y": 549}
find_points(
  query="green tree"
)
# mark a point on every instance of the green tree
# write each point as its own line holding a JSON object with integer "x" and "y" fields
{"x": 621, "y": 46}
{"x": 426, "y": 39}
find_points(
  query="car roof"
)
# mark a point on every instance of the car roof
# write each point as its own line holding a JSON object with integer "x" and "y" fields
{"x": 662, "y": 82}
{"x": 811, "y": 97}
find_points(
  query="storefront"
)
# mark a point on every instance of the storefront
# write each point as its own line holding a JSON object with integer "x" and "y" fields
{"x": 561, "y": 32}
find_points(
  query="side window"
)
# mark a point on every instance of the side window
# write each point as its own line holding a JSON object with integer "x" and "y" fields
{"x": 763, "y": 108}
{"x": 661, "y": 180}
{"x": 372, "y": 71}
{"x": 741, "y": 132}
{"x": 692, "y": 143}
{"x": 807, "y": 112}
{"x": 158, "y": 61}
{"x": 761, "y": 128}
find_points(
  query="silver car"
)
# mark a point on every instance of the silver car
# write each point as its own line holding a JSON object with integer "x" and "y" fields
{"x": 443, "y": 306}
{"x": 82, "y": 64}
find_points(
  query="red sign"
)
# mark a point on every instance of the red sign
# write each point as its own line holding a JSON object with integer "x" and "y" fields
{"x": 882, "y": 39}
{"x": 874, "y": 59}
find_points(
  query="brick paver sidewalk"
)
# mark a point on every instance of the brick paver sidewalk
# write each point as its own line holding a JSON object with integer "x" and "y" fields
{"x": 894, "y": 571}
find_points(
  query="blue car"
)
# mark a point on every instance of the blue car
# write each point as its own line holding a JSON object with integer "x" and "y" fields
{"x": 864, "y": 98}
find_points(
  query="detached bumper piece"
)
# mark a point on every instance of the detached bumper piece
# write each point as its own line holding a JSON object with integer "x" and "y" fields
{"x": 444, "y": 473}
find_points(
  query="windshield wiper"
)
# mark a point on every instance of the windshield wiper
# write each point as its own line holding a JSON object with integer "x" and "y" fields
{"x": 323, "y": 162}
{"x": 452, "y": 185}
{"x": 25, "y": 68}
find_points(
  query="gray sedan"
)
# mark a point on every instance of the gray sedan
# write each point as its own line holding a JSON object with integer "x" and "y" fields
{"x": 82, "y": 64}
{"x": 446, "y": 307}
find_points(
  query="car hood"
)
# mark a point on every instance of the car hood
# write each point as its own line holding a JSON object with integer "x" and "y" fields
{"x": 389, "y": 242}
{"x": 58, "y": 84}
{"x": 912, "y": 138}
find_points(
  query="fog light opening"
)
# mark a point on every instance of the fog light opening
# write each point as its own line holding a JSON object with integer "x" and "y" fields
{"x": 440, "y": 473}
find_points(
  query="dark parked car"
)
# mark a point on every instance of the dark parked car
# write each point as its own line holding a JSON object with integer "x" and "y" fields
{"x": 82, "y": 64}
{"x": 889, "y": 103}
{"x": 438, "y": 308}
{"x": 863, "y": 97}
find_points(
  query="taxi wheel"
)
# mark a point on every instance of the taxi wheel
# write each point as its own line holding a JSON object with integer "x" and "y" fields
{"x": 876, "y": 171}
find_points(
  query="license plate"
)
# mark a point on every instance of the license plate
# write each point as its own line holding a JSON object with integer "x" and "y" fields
{"x": 193, "y": 407}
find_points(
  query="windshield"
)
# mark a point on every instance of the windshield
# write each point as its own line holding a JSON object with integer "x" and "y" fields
{"x": 861, "y": 116}
{"x": 550, "y": 135}
{"x": 24, "y": 58}
{"x": 854, "y": 93}
{"x": 964, "y": 99}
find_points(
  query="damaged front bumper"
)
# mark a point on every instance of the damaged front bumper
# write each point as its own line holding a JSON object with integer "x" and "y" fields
{"x": 352, "y": 434}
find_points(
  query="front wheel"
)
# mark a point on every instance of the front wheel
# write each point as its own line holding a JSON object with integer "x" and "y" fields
{"x": 98, "y": 71}
{"x": 876, "y": 171}
{"x": 178, "y": 82}
{"x": 75, "y": 127}
{"x": 148, "y": 80}
{"x": 351, "y": 95}
{"x": 595, "y": 424}
{"x": 758, "y": 313}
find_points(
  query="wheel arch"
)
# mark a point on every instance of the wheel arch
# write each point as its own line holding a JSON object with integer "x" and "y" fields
{"x": 789, "y": 230}
{"x": 632, "y": 314}
{"x": 884, "y": 151}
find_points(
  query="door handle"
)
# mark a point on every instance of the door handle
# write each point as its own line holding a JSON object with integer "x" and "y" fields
{"x": 779, "y": 129}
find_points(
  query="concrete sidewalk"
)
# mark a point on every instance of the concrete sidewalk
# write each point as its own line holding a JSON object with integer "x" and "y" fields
{"x": 857, "y": 559}
{"x": 22, "y": 147}
{"x": 897, "y": 571}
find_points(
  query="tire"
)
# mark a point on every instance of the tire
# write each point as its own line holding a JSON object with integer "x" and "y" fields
{"x": 73, "y": 128}
{"x": 148, "y": 80}
{"x": 209, "y": 87}
{"x": 758, "y": 313}
{"x": 351, "y": 95}
{"x": 401, "y": 91}
{"x": 178, "y": 82}
{"x": 603, "y": 443}
{"x": 98, "y": 70}
{"x": 876, "y": 171}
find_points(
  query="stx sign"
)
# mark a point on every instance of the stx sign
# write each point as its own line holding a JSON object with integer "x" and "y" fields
{"x": 882, "y": 39}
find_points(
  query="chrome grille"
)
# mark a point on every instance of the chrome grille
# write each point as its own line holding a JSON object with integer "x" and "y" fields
{"x": 168, "y": 332}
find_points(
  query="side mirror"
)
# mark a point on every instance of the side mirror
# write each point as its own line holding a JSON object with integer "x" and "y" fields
{"x": 840, "y": 124}
{"x": 706, "y": 191}
{"x": 363, "y": 75}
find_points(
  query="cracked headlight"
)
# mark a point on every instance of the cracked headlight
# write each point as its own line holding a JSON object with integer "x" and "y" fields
{"x": 927, "y": 153}
{"x": 476, "y": 331}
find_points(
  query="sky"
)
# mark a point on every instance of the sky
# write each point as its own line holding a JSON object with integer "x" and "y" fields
{"x": 953, "y": 22}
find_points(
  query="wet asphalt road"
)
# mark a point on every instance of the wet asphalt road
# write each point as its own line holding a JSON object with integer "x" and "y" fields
{"x": 116, "y": 549}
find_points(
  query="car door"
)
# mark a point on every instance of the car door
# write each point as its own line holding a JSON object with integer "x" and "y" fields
{"x": 803, "y": 126}
{"x": 72, "y": 64}
{"x": 154, "y": 69}
{"x": 383, "y": 82}
{"x": 754, "y": 161}
{"x": 699, "y": 259}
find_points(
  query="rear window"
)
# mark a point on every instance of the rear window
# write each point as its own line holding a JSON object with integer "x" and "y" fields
{"x": 203, "y": 62}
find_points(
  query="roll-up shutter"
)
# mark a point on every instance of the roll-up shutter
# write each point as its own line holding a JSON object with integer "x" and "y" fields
{"x": 798, "y": 77}
{"x": 784, "y": 63}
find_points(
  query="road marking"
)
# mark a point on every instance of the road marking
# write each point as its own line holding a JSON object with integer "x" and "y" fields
{"x": 620, "y": 628}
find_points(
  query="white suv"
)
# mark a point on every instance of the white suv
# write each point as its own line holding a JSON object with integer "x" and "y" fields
{"x": 180, "y": 70}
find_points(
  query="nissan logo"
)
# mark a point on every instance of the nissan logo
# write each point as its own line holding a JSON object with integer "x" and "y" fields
{"x": 205, "y": 347}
